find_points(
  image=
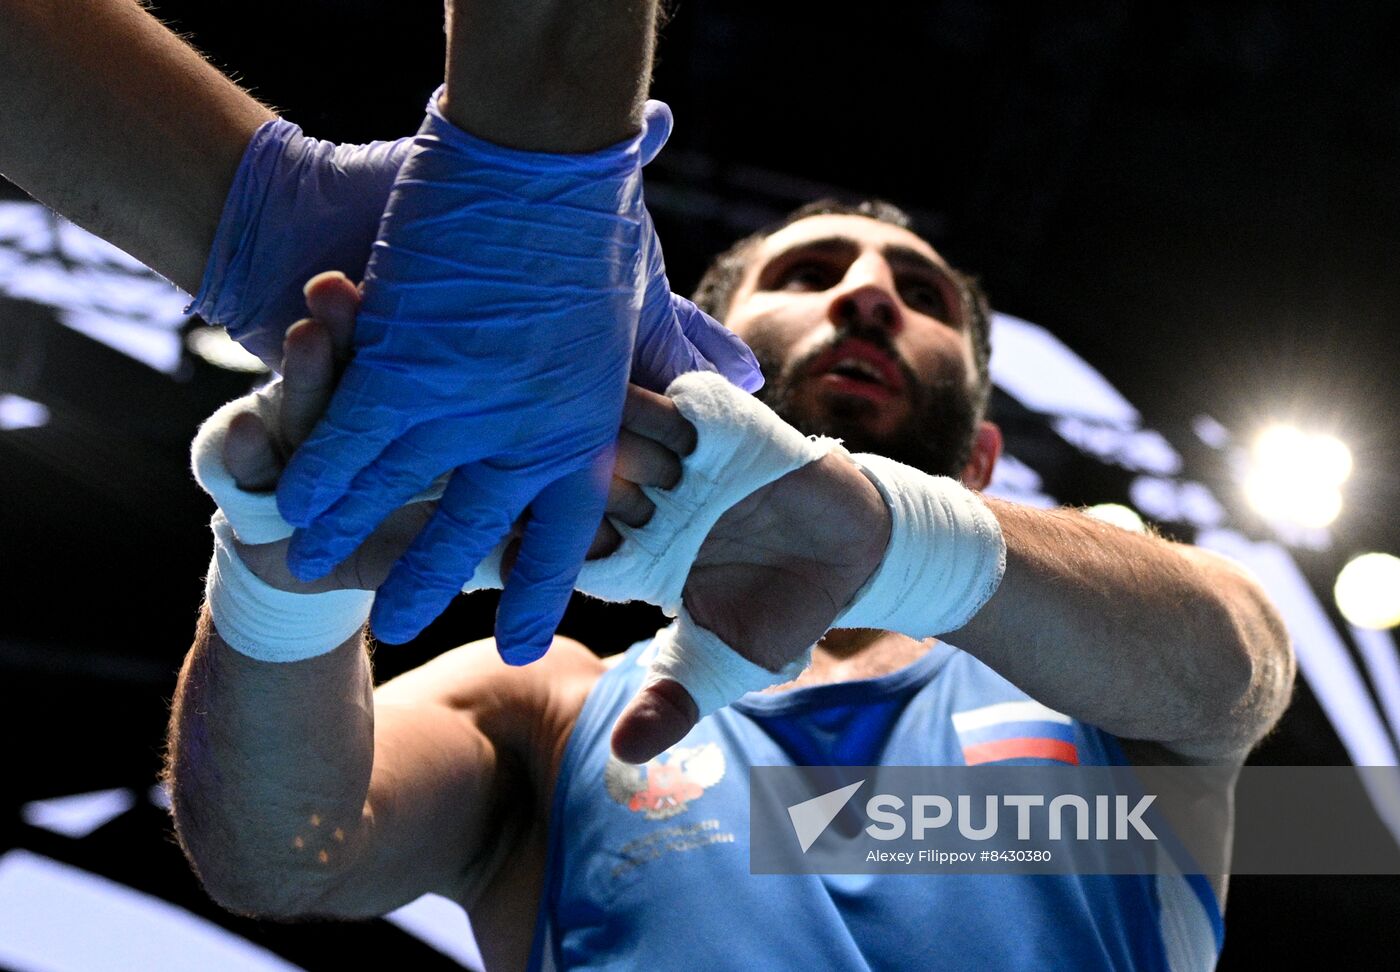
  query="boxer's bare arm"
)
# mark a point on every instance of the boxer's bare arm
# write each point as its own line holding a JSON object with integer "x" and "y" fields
{"x": 299, "y": 790}
{"x": 116, "y": 123}
{"x": 434, "y": 779}
{"x": 1147, "y": 639}
{"x": 1157, "y": 642}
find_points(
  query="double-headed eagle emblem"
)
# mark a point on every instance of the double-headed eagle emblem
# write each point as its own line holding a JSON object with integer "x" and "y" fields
{"x": 666, "y": 785}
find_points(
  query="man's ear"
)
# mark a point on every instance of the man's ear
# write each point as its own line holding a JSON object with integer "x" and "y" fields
{"x": 986, "y": 449}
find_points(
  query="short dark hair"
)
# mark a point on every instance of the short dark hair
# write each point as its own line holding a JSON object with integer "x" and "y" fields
{"x": 716, "y": 289}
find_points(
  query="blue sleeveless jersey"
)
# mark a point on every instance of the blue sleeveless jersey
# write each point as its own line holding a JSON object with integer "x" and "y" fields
{"x": 648, "y": 867}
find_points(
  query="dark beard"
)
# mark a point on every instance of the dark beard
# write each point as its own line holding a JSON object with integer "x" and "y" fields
{"x": 937, "y": 437}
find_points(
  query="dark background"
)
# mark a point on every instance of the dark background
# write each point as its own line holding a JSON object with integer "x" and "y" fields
{"x": 1200, "y": 199}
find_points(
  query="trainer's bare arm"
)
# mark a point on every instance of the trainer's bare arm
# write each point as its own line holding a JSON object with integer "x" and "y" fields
{"x": 113, "y": 121}
{"x": 549, "y": 75}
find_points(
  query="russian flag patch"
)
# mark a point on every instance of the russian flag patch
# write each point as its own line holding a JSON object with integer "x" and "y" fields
{"x": 1015, "y": 730}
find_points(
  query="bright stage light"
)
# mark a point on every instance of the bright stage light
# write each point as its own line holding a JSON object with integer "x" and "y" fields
{"x": 1294, "y": 476}
{"x": 1118, "y": 515}
{"x": 1368, "y": 591}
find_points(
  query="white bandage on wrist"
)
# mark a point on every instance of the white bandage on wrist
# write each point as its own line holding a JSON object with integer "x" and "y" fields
{"x": 741, "y": 445}
{"x": 712, "y": 672}
{"x": 254, "y": 516}
{"x": 945, "y": 558}
{"x": 252, "y": 616}
{"x": 271, "y": 625}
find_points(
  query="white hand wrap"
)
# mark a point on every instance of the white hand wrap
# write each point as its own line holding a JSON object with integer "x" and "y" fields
{"x": 272, "y": 625}
{"x": 253, "y": 516}
{"x": 252, "y": 616}
{"x": 945, "y": 558}
{"x": 740, "y": 446}
{"x": 712, "y": 672}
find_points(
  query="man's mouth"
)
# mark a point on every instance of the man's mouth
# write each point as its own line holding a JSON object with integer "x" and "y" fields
{"x": 858, "y": 367}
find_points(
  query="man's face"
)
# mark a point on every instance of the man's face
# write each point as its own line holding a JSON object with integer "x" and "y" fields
{"x": 860, "y": 329}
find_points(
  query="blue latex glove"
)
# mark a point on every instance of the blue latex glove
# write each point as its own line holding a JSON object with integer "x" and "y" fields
{"x": 297, "y": 206}
{"x": 495, "y": 339}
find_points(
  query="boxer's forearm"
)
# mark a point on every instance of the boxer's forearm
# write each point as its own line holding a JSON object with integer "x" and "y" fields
{"x": 1146, "y": 639}
{"x": 549, "y": 75}
{"x": 117, "y": 124}
{"x": 269, "y": 766}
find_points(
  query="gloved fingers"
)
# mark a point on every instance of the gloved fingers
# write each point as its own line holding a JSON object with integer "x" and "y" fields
{"x": 563, "y": 520}
{"x": 720, "y": 346}
{"x": 657, "y": 122}
{"x": 476, "y": 511}
{"x": 388, "y": 483}
{"x": 356, "y": 428}
{"x": 662, "y": 352}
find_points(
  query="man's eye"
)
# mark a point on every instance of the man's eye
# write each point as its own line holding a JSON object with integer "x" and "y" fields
{"x": 926, "y": 298}
{"x": 806, "y": 276}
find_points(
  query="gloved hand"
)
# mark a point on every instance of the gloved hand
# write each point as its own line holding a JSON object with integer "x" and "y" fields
{"x": 299, "y": 206}
{"x": 498, "y": 327}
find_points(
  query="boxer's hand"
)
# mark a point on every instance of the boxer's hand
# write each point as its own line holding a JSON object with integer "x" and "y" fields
{"x": 772, "y": 575}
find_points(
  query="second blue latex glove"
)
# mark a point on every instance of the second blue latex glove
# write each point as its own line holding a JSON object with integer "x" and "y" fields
{"x": 297, "y": 206}
{"x": 495, "y": 339}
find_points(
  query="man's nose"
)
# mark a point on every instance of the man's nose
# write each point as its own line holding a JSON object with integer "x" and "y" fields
{"x": 866, "y": 298}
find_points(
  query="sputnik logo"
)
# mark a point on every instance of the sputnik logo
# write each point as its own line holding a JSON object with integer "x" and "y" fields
{"x": 810, "y": 818}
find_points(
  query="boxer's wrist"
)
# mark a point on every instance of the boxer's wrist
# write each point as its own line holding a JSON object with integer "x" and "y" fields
{"x": 945, "y": 558}
{"x": 271, "y": 624}
{"x": 867, "y": 539}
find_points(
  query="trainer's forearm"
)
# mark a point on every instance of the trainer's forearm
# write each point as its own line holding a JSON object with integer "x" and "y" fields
{"x": 116, "y": 123}
{"x": 549, "y": 75}
{"x": 1147, "y": 639}
{"x": 269, "y": 766}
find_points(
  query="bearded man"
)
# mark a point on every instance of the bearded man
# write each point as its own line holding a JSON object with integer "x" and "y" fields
{"x": 300, "y": 790}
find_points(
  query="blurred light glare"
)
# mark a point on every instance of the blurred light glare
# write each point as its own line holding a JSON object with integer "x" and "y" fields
{"x": 1293, "y": 499}
{"x": 17, "y": 412}
{"x": 1118, "y": 515}
{"x": 1332, "y": 457}
{"x": 215, "y": 346}
{"x": 1294, "y": 476}
{"x": 1368, "y": 591}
